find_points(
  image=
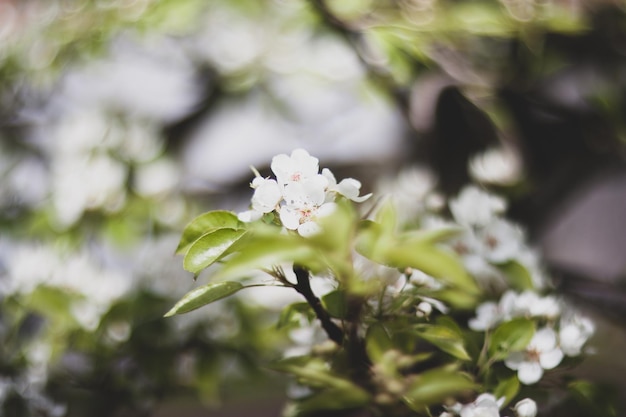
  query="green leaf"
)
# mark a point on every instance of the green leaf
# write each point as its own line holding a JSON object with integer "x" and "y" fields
{"x": 204, "y": 295}
{"x": 209, "y": 248}
{"x": 264, "y": 250}
{"x": 507, "y": 388}
{"x": 434, "y": 386}
{"x": 313, "y": 372}
{"x": 377, "y": 342}
{"x": 293, "y": 313}
{"x": 335, "y": 304}
{"x": 432, "y": 260}
{"x": 511, "y": 336}
{"x": 206, "y": 223}
{"x": 517, "y": 275}
{"x": 445, "y": 338}
{"x": 335, "y": 399}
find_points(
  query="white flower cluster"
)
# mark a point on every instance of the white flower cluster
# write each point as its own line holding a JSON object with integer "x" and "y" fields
{"x": 549, "y": 345}
{"x": 488, "y": 240}
{"x": 299, "y": 194}
{"x": 486, "y": 405}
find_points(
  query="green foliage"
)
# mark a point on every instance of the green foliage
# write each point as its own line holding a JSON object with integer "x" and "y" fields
{"x": 204, "y": 295}
{"x": 511, "y": 336}
{"x": 204, "y": 224}
{"x": 434, "y": 386}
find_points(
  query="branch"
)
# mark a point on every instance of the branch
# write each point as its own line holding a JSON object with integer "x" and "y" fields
{"x": 303, "y": 286}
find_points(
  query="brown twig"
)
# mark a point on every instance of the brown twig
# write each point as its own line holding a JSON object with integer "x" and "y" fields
{"x": 303, "y": 286}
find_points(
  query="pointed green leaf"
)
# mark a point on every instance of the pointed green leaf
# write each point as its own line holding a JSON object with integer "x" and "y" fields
{"x": 204, "y": 224}
{"x": 518, "y": 276}
{"x": 511, "y": 336}
{"x": 507, "y": 388}
{"x": 209, "y": 248}
{"x": 313, "y": 372}
{"x": 445, "y": 339}
{"x": 204, "y": 295}
{"x": 432, "y": 387}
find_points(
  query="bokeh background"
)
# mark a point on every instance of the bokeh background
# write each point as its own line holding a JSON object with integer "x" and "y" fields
{"x": 121, "y": 120}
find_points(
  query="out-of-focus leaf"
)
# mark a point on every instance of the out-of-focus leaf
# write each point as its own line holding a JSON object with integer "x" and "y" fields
{"x": 204, "y": 295}
{"x": 335, "y": 304}
{"x": 313, "y": 372}
{"x": 210, "y": 247}
{"x": 335, "y": 399}
{"x": 511, "y": 336}
{"x": 517, "y": 275}
{"x": 377, "y": 342}
{"x": 445, "y": 339}
{"x": 507, "y": 388}
{"x": 293, "y": 313}
{"x": 206, "y": 223}
{"x": 598, "y": 399}
{"x": 434, "y": 386}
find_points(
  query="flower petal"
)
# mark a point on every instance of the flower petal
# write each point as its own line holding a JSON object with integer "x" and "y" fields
{"x": 529, "y": 372}
{"x": 309, "y": 229}
{"x": 551, "y": 358}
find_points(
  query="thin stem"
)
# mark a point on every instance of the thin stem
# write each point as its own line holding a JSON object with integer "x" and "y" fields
{"x": 303, "y": 286}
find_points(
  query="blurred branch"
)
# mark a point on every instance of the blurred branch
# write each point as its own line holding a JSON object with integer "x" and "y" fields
{"x": 378, "y": 72}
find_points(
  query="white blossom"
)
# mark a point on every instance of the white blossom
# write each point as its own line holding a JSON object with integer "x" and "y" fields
{"x": 475, "y": 207}
{"x": 305, "y": 203}
{"x": 541, "y": 353}
{"x": 485, "y": 405}
{"x": 267, "y": 195}
{"x": 574, "y": 333}
{"x": 295, "y": 168}
{"x": 499, "y": 165}
{"x": 525, "y": 408}
{"x": 348, "y": 187}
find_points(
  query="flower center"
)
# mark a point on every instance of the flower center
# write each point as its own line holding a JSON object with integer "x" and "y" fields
{"x": 297, "y": 176}
{"x": 533, "y": 354}
{"x": 491, "y": 242}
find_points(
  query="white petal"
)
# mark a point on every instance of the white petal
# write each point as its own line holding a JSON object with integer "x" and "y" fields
{"x": 544, "y": 339}
{"x": 515, "y": 359}
{"x": 309, "y": 229}
{"x": 326, "y": 209}
{"x": 529, "y": 372}
{"x": 551, "y": 358}
{"x": 526, "y": 408}
{"x": 249, "y": 216}
{"x": 328, "y": 174}
{"x": 305, "y": 163}
{"x": 289, "y": 218}
{"x": 267, "y": 196}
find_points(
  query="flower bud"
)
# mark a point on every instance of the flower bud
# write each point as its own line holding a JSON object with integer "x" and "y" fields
{"x": 526, "y": 408}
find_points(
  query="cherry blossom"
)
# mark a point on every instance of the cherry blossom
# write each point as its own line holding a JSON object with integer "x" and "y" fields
{"x": 485, "y": 405}
{"x": 574, "y": 333}
{"x": 475, "y": 207}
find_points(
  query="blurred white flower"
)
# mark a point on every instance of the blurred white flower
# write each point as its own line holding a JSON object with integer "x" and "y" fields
{"x": 541, "y": 353}
{"x": 525, "y": 408}
{"x": 488, "y": 314}
{"x": 156, "y": 178}
{"x": 574, "y": 333}
{"x": 501, "y": 166}
{"x": 485, "y": 405}
{"x": 500, "y": 241}
{"x": 475, "y": 207}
